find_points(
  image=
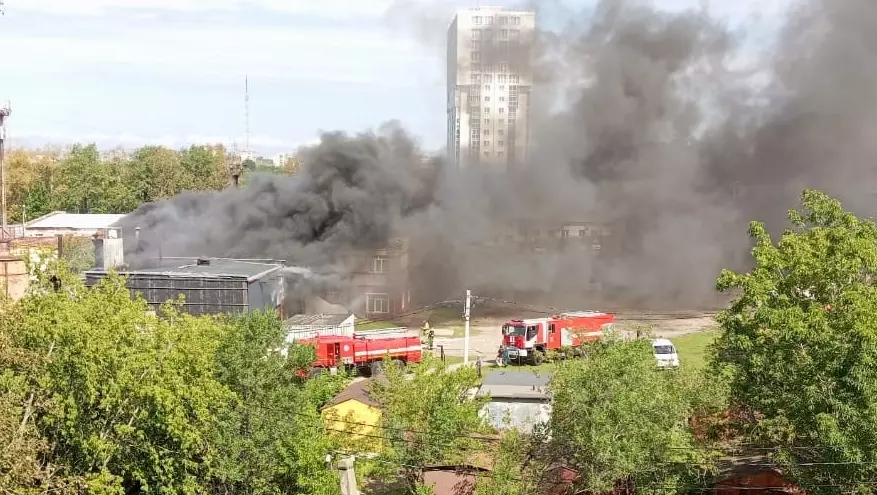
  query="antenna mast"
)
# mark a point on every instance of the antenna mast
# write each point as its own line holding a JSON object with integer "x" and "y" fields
{"x": 247, "y": 112}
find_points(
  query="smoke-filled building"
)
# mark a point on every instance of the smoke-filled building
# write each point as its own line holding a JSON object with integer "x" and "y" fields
{"x": 489, "y": 82}
{"x": 379, "y": 285}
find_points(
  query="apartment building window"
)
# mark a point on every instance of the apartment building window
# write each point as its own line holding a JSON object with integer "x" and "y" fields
{"x": 486, "y": 121}
{"x": 486, "y": 153}
{"x": 502, "y": 110}
{"x": 499, "y": 154}
{"x": 516, "y": 21}
{"x": 486, "y": 143}
{"x": 504, "y": 34}
{"x": 502, "y": 98}
{"x": 488, "y": 78}
{"x": 486, "y": 132}
{"x": 476, "y": 56}
{"x": 514, "y": 79}
{"x": 515, "y": 34}
{"x": 377, "y": 303}
{"x": 477, "y": 19}
{"x": 500, "y": 143}
{"x": 500, "y": 79}
{"x": 486, "y": 98}
{"x": 476, "y": 34}
{"x": 503, "y": 67}
{"x": 474, "y": 44}
{"x": 487, "y": 87}
{"x": 500, "y": 132}
{"x": 475, "y": 78}
{"x": 488, "y": 20}
{"x": 379, "y": 264}
{"x": 486, "y": 110}
{"x": 503, "y": 21}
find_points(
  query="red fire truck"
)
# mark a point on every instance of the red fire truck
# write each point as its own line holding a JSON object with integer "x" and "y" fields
{"x": 530, "y": 340}
{"x": 363, "y": 353}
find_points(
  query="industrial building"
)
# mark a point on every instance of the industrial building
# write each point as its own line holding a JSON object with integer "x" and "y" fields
{"x": 489, "y": 81}
{"x": 208, "y": 285}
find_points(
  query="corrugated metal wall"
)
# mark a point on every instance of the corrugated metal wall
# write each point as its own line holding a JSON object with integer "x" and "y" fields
{"x": 203, "y": 295}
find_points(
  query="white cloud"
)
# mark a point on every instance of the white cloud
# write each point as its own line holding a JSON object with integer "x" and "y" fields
{"x": 327, "y": 54}
{"x": 329, "y": 8}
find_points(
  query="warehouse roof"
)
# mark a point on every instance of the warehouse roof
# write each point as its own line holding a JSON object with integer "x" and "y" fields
{"x": 206, "y": 268}
{"x": 75, "y": 221}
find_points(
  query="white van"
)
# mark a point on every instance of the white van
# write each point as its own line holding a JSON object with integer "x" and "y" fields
{"x": 665, "y": 354}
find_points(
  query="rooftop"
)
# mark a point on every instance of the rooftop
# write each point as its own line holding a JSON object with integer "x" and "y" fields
{"x": 316, "y": 320}
{"x": 358, "y": 391}
{"x": 214, "y": 268}
{"x": 76, "y": 221}
{"x": 515, "y": 385}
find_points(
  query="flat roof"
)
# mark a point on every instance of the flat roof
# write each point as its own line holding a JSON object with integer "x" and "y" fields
{"x": 218, "y": 268}
{"x": 322, "y": 319}
{"x": 75, "y": 221}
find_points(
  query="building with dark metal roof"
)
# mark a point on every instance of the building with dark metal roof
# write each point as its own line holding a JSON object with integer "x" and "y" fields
{"x": 208, "y": 285}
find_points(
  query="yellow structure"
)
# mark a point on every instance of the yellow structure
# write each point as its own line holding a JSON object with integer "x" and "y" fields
{"x": 354, "y": 417}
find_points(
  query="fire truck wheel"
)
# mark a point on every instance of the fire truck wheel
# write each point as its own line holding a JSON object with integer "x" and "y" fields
{"x": 538, "y": 358}
{"x": 399, "y": 364}
{"x": 315, "y": 372}
{"x": 377, "y": 368}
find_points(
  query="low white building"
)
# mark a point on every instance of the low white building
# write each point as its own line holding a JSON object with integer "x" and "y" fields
{"x": 518, "y": 400}
{"x": 309, "y": 326}
{"x": 73, "y": 224}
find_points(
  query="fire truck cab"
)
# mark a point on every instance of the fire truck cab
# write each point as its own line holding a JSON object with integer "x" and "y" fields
{"x": 529, "y": 340}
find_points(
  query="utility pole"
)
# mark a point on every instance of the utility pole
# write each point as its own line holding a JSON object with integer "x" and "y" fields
{"x": 466, "y": 334}
{"x": 348, "y": 476}
{"x": 4, "y": 112}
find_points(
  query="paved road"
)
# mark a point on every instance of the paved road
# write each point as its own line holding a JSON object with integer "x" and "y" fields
{"x": 486, "y": 335}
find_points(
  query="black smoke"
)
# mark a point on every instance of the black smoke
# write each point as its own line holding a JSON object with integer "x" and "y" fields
{"x": 644, "y": 120}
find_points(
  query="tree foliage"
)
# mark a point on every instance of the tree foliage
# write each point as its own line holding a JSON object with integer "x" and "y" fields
{"x": 800, "y": 345}
{"x": 429, "y": 414}
{"x": 617, "y": 418}
{"x": 84, "y": 180}
{"x": 97, "y": 394}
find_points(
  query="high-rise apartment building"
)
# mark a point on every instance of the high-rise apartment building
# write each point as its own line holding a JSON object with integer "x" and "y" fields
{"x": 489, "y": 81}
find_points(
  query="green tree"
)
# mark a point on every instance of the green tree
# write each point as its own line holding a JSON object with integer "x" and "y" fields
{"x": 205, "y": 167}
{"x": 800, "y": 345}
{"x": 155, "y": 172}
{"x": 272, "y": 440}
{"x": 617, "y": 418}
{"x": 428, "y": 415}
{"x": 125, "y": 400}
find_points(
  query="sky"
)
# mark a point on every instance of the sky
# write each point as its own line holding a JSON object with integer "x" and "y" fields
{"x": 133, "y": 72}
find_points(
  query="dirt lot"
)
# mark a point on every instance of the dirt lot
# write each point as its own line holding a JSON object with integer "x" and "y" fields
{"x": 485, "y": 333}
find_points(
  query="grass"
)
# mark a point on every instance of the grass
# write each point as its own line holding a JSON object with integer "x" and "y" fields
{"x": 692, "y": 348}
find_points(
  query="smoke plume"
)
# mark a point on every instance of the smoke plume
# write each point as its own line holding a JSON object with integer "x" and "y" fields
{"x": 643, "y": 120}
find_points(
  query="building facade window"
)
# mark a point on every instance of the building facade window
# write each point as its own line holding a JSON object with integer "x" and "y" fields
{"x": 377, "y": 303}
{"x": 379, "y": 264}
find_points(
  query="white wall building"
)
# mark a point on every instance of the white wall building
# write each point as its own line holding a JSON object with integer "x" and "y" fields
{"x": 75, "y": 224}
{"x": 490, "y": 76}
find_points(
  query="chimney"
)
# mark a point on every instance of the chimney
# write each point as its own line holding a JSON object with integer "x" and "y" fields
{"x": 136, "y": 238}
{"x": 108, "y": 252}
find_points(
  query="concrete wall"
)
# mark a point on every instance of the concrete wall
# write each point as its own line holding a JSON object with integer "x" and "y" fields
{"x": 14, "y": 278}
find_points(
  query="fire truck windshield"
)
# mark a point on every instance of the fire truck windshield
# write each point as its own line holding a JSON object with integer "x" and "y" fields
{"x": 516, "y": 330}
